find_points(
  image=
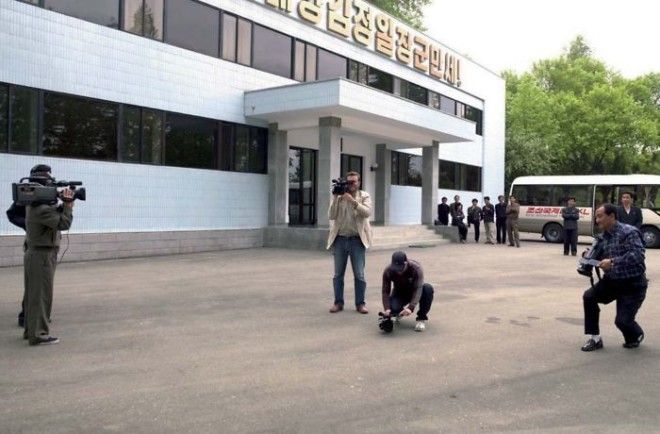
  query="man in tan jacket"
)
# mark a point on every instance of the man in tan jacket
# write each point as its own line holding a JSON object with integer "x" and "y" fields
{"x": 512, "y": 212}
{"x": 350, "y": 236}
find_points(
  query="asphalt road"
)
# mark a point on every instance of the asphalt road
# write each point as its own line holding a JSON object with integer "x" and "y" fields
{"x": 241, "y": 341}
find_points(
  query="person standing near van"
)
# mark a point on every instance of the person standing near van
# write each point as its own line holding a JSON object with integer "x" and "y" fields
{"x": 571, "y": 215}
{"x": 512, "y": 213}
{"x": 500, "y": 220}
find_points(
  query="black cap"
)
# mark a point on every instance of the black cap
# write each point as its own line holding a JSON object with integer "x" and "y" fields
{"x": 40, "y": 168}
{"x": 399, "y": 260}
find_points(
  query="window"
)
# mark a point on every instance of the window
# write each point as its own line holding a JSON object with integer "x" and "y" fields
{"x": 350, "y": 163}
{"x": 190, "y": 141}
{"x": 414, "y": 92}
{"x": 406, "y": 169}
{"x": 244, "y": 53}
{"x": 460, "y": 109}
{"x": 299, "y": 59}
{"x": 434, "y": 100}
{"x": 24, "y": 111}
{"x": 447, "y": 176}
{"x": 4, "y": 118}
{"x": 142, "y": 135}
{"x": 271, "y": 51}
{"x": 79, "y": 127}
{"x": 103, "y": 12}
{"x": 447, "y": 105}
{"x": 243, "y": 148}
{"x": 257, "y": 151}
{"x": 380, "y": 80}
{"x": 229, "y": 37}
{"x": 583, "y": 195}
{"x": 193, "y": 25}
{"x": 535, "y": 195}
{"x": 475, "y": 115}
{"x": 144, "y": 18}
{"x": 472, "y": 178}
{"x": 330, "y": 65}
{"x": 357, "y": 71}
{"x": 310, "y": 65}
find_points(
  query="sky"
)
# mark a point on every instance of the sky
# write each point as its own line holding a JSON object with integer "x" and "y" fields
{"x": 513, "y": 34}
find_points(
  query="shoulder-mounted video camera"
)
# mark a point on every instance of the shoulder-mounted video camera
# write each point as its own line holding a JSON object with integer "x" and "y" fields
{"x": 591, "y": 257}
{"x": 339, "y": 186}
{"x": 39, "y": 190}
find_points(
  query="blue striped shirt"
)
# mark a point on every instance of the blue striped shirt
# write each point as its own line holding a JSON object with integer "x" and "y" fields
{"x": 624, "y": 245}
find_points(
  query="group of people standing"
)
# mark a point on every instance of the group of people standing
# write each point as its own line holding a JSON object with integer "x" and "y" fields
{"x": 503, "y": 215}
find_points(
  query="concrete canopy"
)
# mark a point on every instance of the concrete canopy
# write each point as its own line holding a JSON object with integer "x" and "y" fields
{"x": 362, "y": 109}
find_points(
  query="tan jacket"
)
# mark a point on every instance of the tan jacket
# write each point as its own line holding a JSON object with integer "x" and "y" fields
{"x": 361, "y": 213}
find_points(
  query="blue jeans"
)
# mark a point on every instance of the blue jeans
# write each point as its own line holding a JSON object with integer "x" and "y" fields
{"x": 343, "y": 248}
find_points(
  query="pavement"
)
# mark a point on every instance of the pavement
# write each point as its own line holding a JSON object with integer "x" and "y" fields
{"x": 242, "y": 341}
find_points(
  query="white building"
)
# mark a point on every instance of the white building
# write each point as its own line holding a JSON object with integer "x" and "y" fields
{"x": 199, "y": 124}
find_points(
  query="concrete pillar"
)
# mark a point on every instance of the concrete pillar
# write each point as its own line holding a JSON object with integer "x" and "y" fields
{"x": 383, "y": 183}
{"x": 430, "y": 174}
{"x": 278, "y": 176}
{"x": 329, "y": 165}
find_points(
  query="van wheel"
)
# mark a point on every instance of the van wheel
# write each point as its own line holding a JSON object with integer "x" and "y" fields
{"x": 651, "y": 236}
{"x": 552, "y": 233}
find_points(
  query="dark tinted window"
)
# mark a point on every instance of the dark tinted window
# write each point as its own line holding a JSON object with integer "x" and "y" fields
{"x": 193, "y": 26}
{"x": 243, "y": 54}
{"x": 475, "y": 115}
{"x": 257, "y": 150}
{"x": 271, "y": 51}
{"x": 152, "y": 136}
{"x": 144, "y": 17}
{"x": 447, "y": 176}
{"x": 24, "y": 112}
{"x": 472, "y": 178}
{"x": 330, "y": 65}
{"x": 241, "y": 148}
{"x": 130, "y": 146}
{"x": 4, "y": 114}
{"x": 357, "y": 71}
{"x": 414, "y": 92}
{"x": 406, "y": 169}
{"x": 189, "y": 141}
{"x": 350, "y": 163}
{"x": 229, "y": 37}
{"x": 534, "y": 195}
{"x": 104, "y": 12}
{"x": 79, "y": 127}
{"x": 380, "y": 80}
{"x": 583, "y": 194}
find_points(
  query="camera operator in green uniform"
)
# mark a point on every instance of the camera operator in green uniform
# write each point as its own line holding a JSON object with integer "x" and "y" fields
{"x": 44, "y": 221}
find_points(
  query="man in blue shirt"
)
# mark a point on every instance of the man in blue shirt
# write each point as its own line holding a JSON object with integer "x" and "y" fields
{"x": 624, "y": 280}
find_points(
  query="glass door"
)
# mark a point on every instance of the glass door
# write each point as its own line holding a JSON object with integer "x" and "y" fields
{"x": 352, "y": 163}
{"x": 302, "y": 186}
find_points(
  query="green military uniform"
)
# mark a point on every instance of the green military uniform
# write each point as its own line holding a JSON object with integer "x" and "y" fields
{"x": 42, "y": 236}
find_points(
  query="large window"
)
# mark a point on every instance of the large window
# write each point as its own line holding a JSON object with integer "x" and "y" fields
{"x": 304, "y": 62}
{"x": 229, "y": 29}
{"x": 406, "y": 169}
{"x": 142, "y": 135}
{"x": 380, "y": 80}
{"x": 190, "y": 141}
{"x": 103, "y": 12}
{"x": 458, "y": 176}
{"x": 447, "y": 105}
{"x": 414, "y": 92}
{"x": 330, "y": 65}
{"x": 310, "y": 65}
{"x": 193, "y": 25}
{"x": 243, "y": 148}
{"x": 4, "y": 118}
{"x": 144, "y": 18}
{"x": 271, "y": 51}
{"x": 299, "y": 61}
{"x": 24, "y": 111}
{"x": 79, "y": 127}
{"x": 475, "y": 115}
{"x": 244, "y": 46}
{"x": 357, "y": 72}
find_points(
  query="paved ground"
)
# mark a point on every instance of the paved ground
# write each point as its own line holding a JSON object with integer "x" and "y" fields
{"x": 242, "y": 342}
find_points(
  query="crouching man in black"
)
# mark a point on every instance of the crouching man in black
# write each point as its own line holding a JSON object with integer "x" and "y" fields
{"x": 409, "y": 290}
{"x": 624, "y": 280}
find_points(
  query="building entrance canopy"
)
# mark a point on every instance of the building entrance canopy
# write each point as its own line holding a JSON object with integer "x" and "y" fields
{"x": 362, "y": 109}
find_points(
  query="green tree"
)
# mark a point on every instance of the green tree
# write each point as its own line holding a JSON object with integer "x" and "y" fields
{"x": 410, "y": 11}
{"x": 573, "y": 115}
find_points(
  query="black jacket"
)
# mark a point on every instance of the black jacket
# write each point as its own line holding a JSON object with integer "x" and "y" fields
{"x": 16, "y": 215}
{"x": 634, "y": 218}
{"x": 500, "y": 211}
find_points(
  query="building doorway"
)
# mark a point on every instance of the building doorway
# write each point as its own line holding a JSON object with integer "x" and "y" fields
{"x": 302, "y": 186}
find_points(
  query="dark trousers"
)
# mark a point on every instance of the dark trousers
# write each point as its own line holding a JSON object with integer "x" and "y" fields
{"x": 629, "y": 295}
{"x": 397, "y": 303}
{"x": 500, "y": 227}
{"x": 476, "y": 230}
{"x": 462, "y": 229}
{"x": 570, "y": 239}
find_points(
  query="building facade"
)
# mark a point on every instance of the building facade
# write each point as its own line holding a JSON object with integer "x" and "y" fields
{"x": 198, "y": 124}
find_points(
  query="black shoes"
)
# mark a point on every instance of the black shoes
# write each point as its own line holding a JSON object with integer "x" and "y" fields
{"x": 592, "y": 345}
{"x": 45, "y": 340}
{"x": 634, "y": 344}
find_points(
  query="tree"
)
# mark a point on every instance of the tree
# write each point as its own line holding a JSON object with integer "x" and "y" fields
{"x": 409, "y": 11}
{"x": 573, "y": 115}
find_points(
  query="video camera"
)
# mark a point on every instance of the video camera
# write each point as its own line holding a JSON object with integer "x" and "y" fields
{"x": 33, "y": 192}
{"x": 385, "y": 322}
{"x": 339, "y": 186}
{"x": 591, "y": 257}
